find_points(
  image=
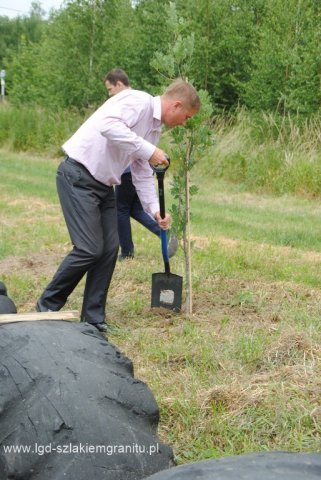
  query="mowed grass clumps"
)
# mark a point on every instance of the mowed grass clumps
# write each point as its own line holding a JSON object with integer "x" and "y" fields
{"x": 243, "y": 373}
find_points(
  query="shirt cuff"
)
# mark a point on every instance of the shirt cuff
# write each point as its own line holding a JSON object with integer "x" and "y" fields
{"x": 145, "y": 151}
{"x": 154, "y": 208}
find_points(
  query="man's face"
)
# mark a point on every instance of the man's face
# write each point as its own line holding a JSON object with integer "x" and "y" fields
{"x": 113, "y": 89}
{"x": 178, "y": 114}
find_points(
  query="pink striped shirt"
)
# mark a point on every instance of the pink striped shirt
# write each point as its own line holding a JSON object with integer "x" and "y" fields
{"x": 122, "y": 132}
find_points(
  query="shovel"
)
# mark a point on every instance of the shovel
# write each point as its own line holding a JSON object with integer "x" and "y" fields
{"x": 166, "y": 287}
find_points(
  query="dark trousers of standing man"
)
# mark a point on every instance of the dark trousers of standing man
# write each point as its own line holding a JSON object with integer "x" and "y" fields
{"x": 89, "y": 209}
{"x": 128, "y": 205}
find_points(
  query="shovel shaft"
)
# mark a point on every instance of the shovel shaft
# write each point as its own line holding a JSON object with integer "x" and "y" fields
{"x": 165, "y": 251}
{"x": 166, "y": 287}
{"x": 160, "y": 179}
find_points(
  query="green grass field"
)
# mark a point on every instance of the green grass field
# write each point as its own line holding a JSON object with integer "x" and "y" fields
{"x": 243, "y": 373}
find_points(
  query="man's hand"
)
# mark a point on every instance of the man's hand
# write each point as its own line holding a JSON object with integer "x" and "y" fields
{"x": 159, "y": 157}
{"x": 164, "y": 223}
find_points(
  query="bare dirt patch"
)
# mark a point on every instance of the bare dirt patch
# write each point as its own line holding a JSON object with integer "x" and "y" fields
{"x": 37, "y": 264}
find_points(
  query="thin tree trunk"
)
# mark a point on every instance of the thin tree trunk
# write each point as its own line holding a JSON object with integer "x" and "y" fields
{"x": 188, "y": 259}
{"x": 187, "y": 238}
{"x": 92, "y": 38}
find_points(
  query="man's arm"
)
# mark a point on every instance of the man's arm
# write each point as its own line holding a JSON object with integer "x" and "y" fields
{"x": 143, "y": 179}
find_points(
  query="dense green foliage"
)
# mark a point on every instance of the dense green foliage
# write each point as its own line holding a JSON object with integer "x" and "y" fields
{"x": 261, "y": 54}
{"x": 259, "y": 62}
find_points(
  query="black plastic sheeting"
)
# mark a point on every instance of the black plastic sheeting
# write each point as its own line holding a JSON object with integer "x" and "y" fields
{"x": 6, "y": 304}
{"x": 254, "y": 466}
{"x": 70, "y": 398}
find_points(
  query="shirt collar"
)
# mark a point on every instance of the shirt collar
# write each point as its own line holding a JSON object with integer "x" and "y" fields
{"x": 157, "y": 109}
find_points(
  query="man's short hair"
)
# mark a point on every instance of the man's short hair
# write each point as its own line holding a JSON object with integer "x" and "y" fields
{"x": 180, "y": 89}
{"x": 117, "y": 75}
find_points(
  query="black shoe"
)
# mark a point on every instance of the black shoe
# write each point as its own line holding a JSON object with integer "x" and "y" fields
{"x": 122, "y": 257}
{"x": 101, "y": 327}
{"x": 172, "y": 245}
{"x": 41, "y": 308}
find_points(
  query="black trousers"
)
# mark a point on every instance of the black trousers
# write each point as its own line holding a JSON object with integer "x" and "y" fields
{"x": 89, "y": 209}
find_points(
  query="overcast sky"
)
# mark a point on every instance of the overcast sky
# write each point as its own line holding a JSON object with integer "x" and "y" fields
{"x": 13, "y": 8}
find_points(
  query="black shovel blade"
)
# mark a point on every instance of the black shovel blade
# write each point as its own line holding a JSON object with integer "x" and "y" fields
{"x": 167, "y": 291}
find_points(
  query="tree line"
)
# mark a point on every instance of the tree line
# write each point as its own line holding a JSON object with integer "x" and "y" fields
{"x": 261, "y": 54}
